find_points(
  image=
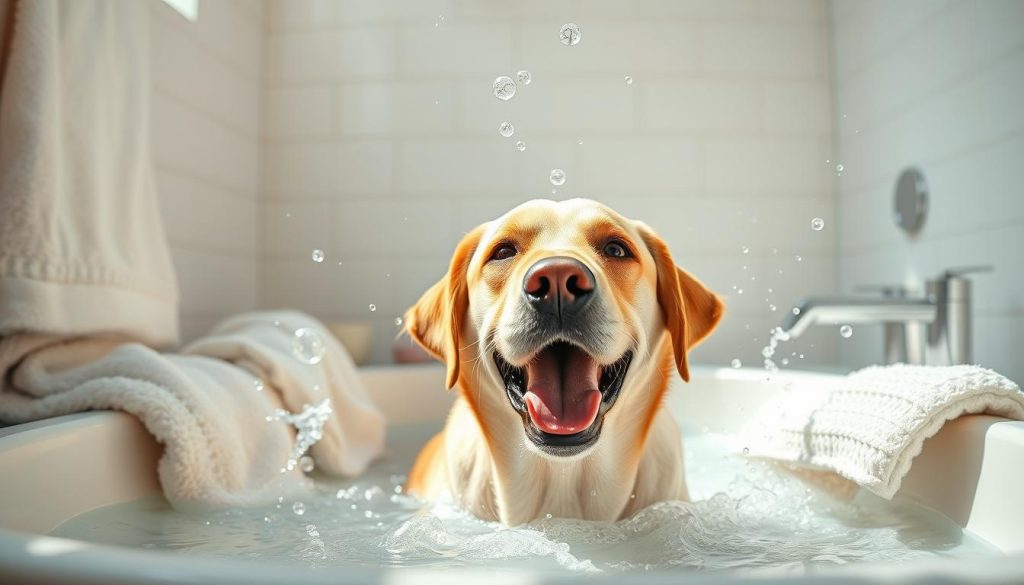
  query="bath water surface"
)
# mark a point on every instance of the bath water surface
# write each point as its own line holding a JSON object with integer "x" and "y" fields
{"x": 744, "y": 515}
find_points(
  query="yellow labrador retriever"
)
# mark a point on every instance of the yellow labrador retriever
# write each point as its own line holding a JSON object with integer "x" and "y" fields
{"x": 561, "y": 323}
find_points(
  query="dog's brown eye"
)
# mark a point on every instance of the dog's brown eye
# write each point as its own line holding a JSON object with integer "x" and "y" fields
{"x": 615, "y": 249}
{"x": 503, "y": 252}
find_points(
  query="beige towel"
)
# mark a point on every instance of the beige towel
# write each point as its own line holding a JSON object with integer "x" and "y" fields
{"x": 224, "y": 409}
{"x": 871, "y": 425}
{"x": 82, "y": 249}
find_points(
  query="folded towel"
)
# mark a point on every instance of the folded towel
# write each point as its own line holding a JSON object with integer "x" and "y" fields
{"x": 82, "y": 248}
{"x": 226, "y": 409}
{"x": 871, "y": 425}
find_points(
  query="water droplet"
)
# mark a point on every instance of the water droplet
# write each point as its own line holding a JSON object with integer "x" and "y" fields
{"x": 398, "y": 489}
{"x": 373, "y": 307}
{"x": 629, "y": 80}
{"x": 299, "y": 508}
{"x": 520, "y": 146}
{"x": 632, "y": 496}
{"x": 839, "y": 168}
{"x": 746, "y": 250}
{"x": 308, "y": 346}
{"x": 580, "y": 142}
{"x": 569, "y": 34}
{"x": 318, "y": 255}
{"x": 785, "y": 361}
{"x": 799, "y": 258}
{"x": 398, "y": 321}
{"x": 524, "y": 77}
{"x": 557, "y": 177}
{"x": 257, "y": 384}
{"x": 266, "y": 519}
{"x": 817, "y": 224}
{"x": 548, "y": 516}
{"x": 746, "y": 450}
{"x": 306, "y": 463}
{"x": 796, "y": 310}
{"x": 772, "y": 307}
{"x": 846, "y": 331}
{"x": 506, "y": 129}
{"x": 739, "y": 291}
{"x": 736, "y": 363}
{"x": 504, "y": 88}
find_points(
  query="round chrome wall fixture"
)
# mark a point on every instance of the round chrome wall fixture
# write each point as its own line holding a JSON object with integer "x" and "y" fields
{"x": 910, "y": 202}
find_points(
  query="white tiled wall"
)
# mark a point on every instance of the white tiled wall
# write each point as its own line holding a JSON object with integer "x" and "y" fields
{"x": 940, "y": 86}
{"x": 206, "y": 108}
{"x": 381, "y": 144}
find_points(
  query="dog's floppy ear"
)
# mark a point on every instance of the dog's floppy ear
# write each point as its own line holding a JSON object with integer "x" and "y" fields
{"x": 436, "y": 320}
{"x": 689, "y": 309}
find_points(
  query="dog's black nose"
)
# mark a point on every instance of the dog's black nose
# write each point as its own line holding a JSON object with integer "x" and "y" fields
{"x": 559, "y": 285}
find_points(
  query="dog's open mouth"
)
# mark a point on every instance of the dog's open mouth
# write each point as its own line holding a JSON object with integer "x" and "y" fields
{"x": 562, "y": 394}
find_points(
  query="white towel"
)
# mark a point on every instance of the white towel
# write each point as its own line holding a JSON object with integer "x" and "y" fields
{"x": 870, "y": 426}
{"x": 82, "y": 249}
{"x": 209, "y": 405}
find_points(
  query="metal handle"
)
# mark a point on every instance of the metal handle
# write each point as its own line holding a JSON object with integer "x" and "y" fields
{"x": 963, "y": 270}
{"x": 887, "y": 290}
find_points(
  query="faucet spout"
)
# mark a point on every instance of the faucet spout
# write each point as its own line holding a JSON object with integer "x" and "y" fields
{"x": 836, "y": 310}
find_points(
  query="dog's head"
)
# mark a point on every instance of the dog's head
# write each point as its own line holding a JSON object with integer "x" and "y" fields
{"x": 555, "y": 312}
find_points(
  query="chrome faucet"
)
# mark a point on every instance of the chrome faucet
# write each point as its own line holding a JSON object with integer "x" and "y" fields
{"x": 933, "y": 329}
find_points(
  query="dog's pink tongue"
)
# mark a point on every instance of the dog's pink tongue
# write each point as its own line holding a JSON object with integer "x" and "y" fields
{"x": 563, "y": 396}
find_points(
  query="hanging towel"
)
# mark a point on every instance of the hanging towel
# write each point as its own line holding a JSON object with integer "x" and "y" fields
{"x": 226, "y": 408}
{"x": 82, "y": 248}
{"x": 870, "y": 426}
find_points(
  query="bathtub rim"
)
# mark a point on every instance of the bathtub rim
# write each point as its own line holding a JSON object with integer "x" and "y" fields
{"x": 66, "y": 558}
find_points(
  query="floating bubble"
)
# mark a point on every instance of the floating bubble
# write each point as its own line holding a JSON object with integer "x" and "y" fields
{"x": 398, "y": 321}
{"x": 308, "y": 346}
{"x": 557, "y": 177}
{"x": 373, "y": 307}
{"x": 796, "y": 310}
{"x": 746, "y": 250}
{"x": 817, "y": 224}
{"x": 799, "y": 258}
{"x": 306, "y": 463}
{"x": 506, "y": 129}
{"x": 736, "y": 363}
{"x": 839, "y": 168}
{"x": 257, "y": 385}
{"x": 318, "y": 255}
{"x": 772, "y": 307}
{"x": 520, "y": 146}
{"x": 299, "y": 508}
{"x": 569, "y": 34}
{"x": 746, "y": 450}
{"x": 504, "y": 88}
{"x": 629, "y": 80}
{"x": 846, "y": 331}
{"x": 524, "y": 77}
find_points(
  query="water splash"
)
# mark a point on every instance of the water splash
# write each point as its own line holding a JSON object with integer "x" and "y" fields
{"x": 308, "y": 346}
{"x": 777, "y": 335}
{"x": 309, "y": 427}
{"x": 569, "y": 34}
{"x": 504, "y": 88}
{"x": 557, "y": 177}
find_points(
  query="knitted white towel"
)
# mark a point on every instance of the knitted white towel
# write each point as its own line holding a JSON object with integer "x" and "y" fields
{"x": 870, "y": 426}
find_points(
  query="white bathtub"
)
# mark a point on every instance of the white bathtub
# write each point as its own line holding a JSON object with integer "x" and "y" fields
{"x": 50, "y": 471}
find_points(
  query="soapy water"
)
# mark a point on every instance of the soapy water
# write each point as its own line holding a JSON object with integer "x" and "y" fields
{"x": 744, "y": 515}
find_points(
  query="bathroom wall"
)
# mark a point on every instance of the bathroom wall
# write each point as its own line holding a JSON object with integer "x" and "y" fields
{"x": 939, "y": 86}
{"x": 207, "y": 94}
{"x": 381, "y": 144}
